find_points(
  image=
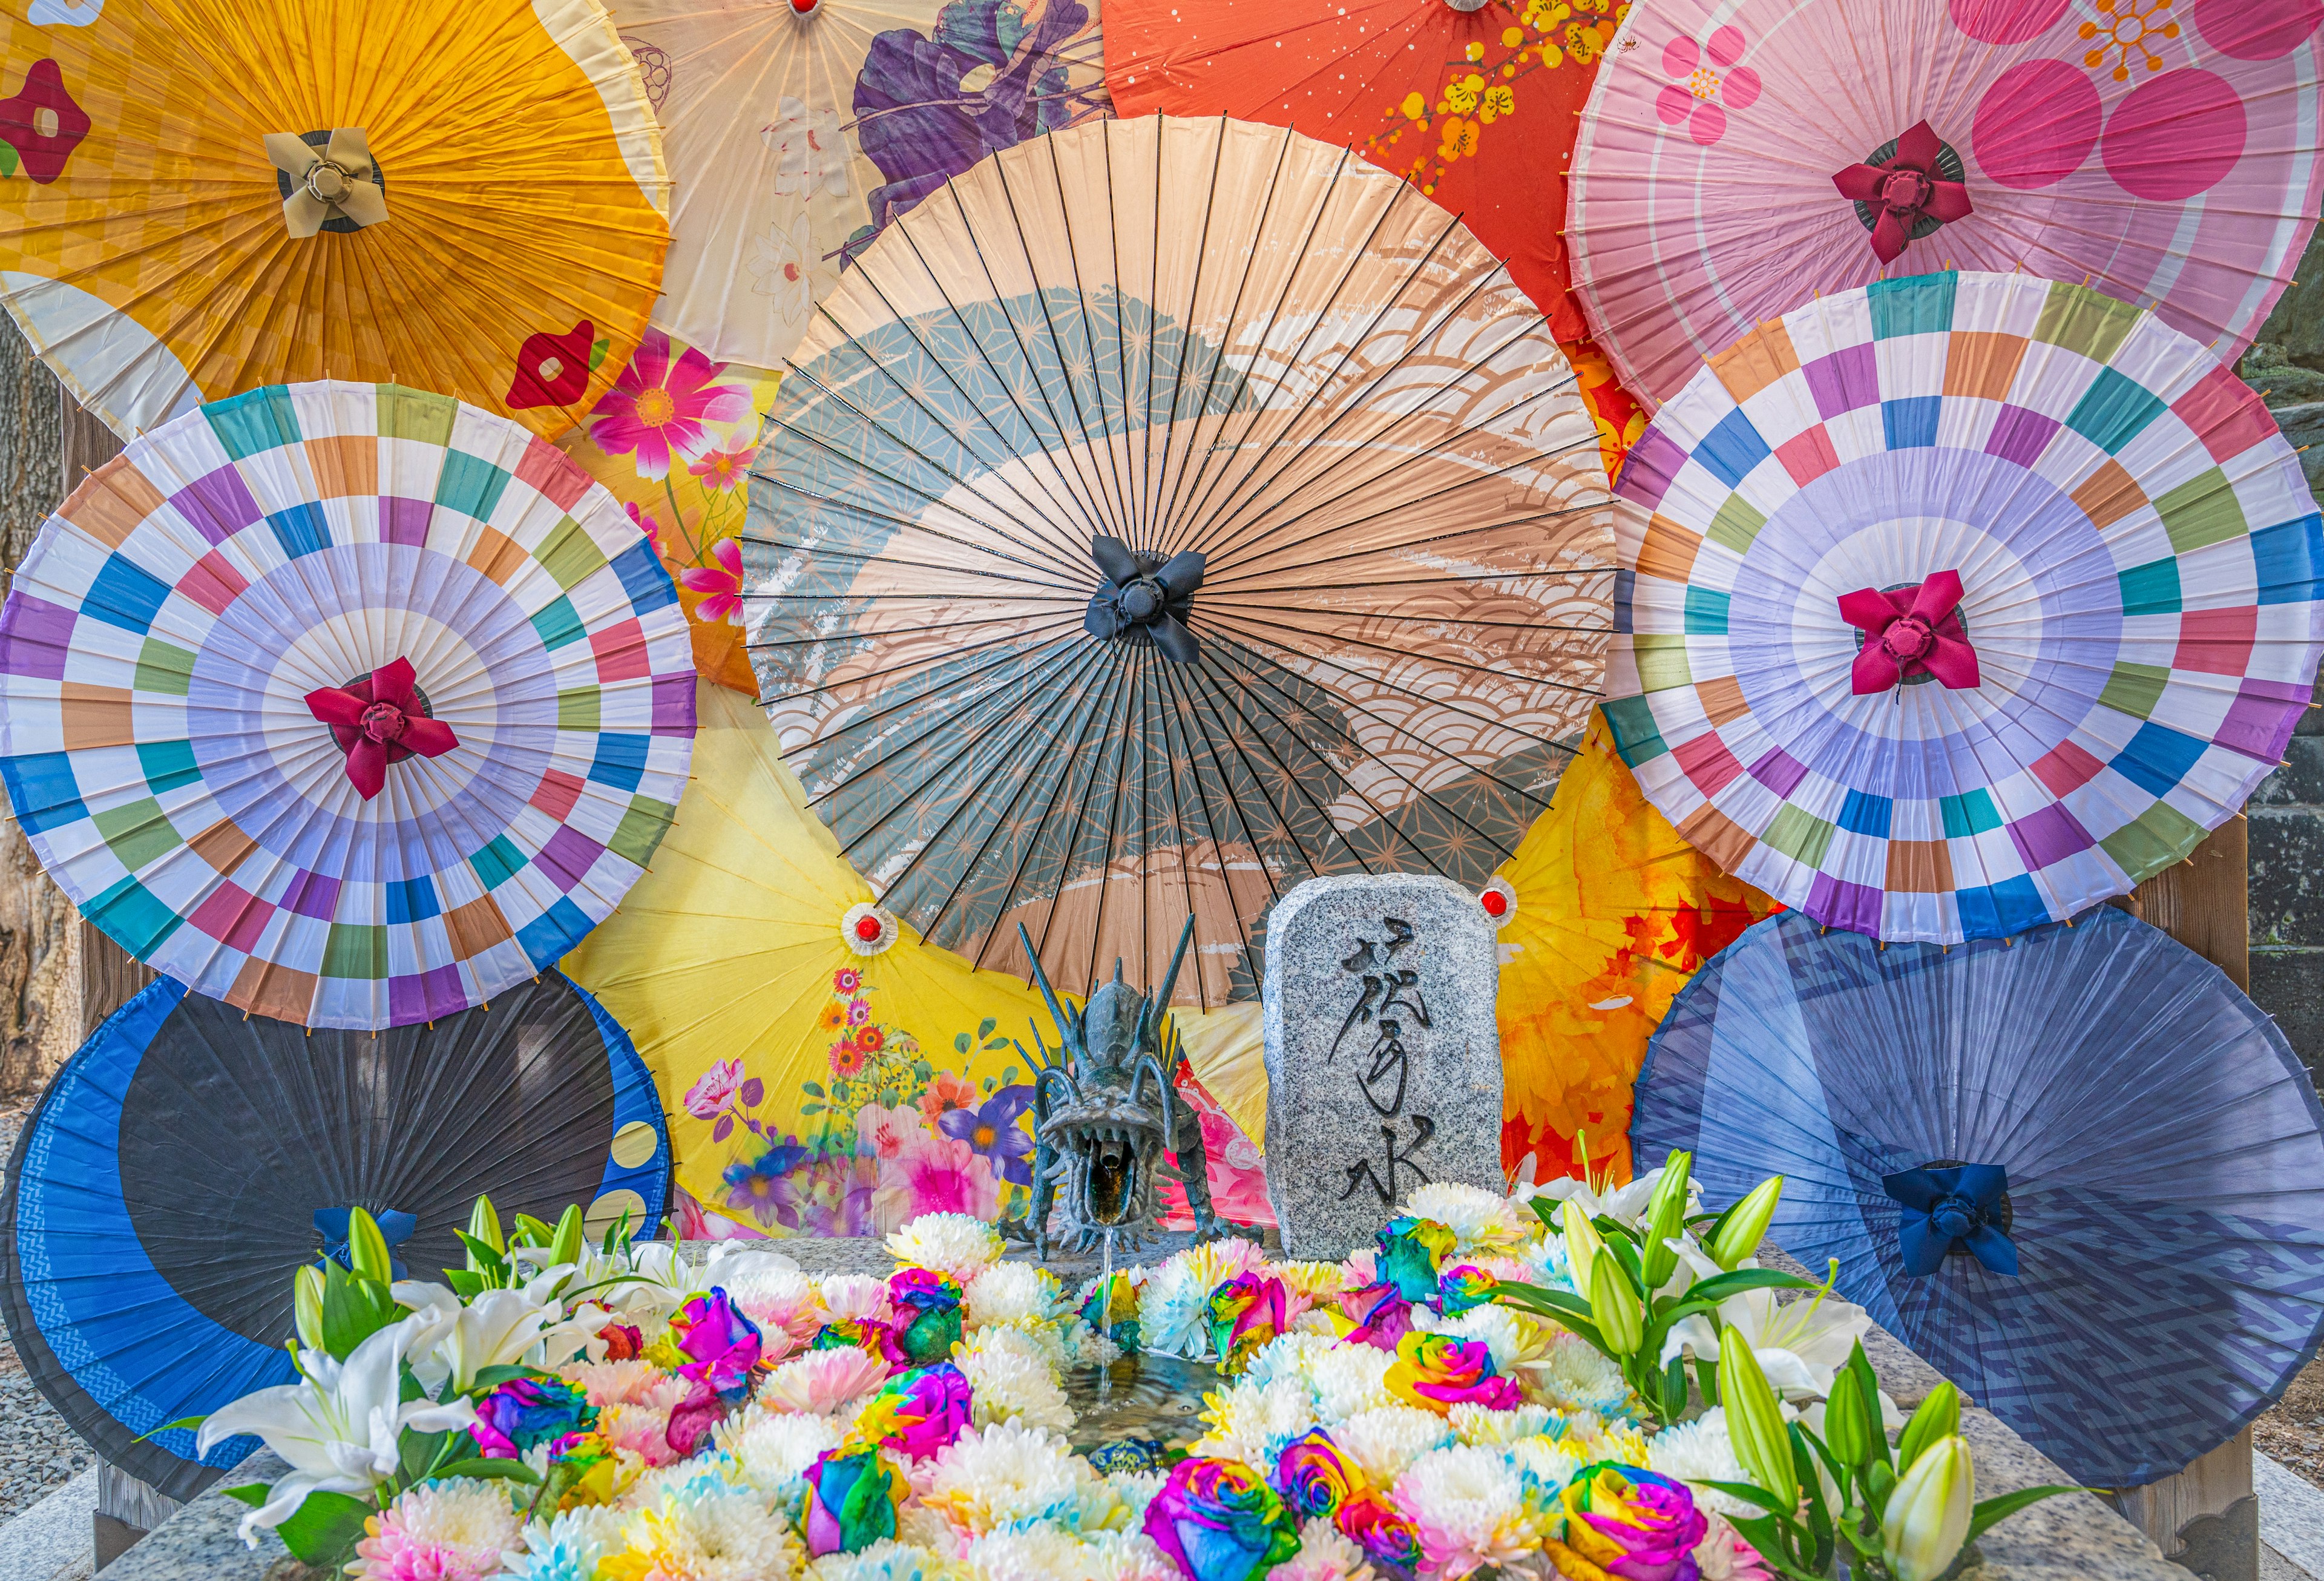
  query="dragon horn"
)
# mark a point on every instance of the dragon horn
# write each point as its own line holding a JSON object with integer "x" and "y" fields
{"x": 1160, "y": 1006}
{"x": 1048, "y": 995}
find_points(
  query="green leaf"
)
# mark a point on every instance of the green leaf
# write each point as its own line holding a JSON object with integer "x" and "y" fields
{"x": 7, "y": 159}
{"x": 416, "y": 1452}
{"x": 960, "y": 1044}
{"x": 354, "y": 1309}
{"x": 923, "y": 1071}
{"x": 1720, "y": 1286}
{"x": 188, "y": 1422}
{"x": 1625, "y": 1258}
{"x": 811, "y": 1108}
{"x": 988, "y": 1083}
{"x": 597, "y": 350}
{"x": 1009, "y": 1076}
{"x": 515, "y": 1471}
{"x": 1749, "y": 1492}
{"x": 1706, "y": 1379}
{"x": 1774, "y": 1536}
{"x": 251, "y": 1494}
{"x": 996, "y": 1044}
{"x": 1987, "y": 1514}
{"x": 1545, "y": 1209}
{"x": 322, "y": 1531}
{"x": 465, "y": 1284}
{"x": 489, "y": 1261}
{"x": 494, "y": 1377}
{"x": 813, "y": 1089}
{"x": 984, "y": 1028}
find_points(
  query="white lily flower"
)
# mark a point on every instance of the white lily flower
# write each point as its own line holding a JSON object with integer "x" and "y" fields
{"x": 1799, "y": 1344}
{"x": 646, "y": 1279}
{"x": 499, "y": 1328}
{"x": 337, "y": 1426}
{"x": 1624, "y": 1204}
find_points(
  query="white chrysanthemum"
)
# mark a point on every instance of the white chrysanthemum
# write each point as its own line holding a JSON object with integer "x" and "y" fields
{"x": 771, "y": 1449}
{"x": 729, "y": 1536}
{"x": 1083, "y": 1346}
{"x": 1475, "y": 1424}
{"x": 467, "y": 1521}
{"x": 1317, "y": 1321}
{"x": 890, "y": 1560}
{"x": 567, "y": 1546}
{"x": 1698, "y": 1452}
{"x": 821, "y": 1382}
{"x": 1045, "y": 1553}
{"x": 1348, "y": 1379}
{"x": 1574, "y": 1376}
{"x": 1009, "y": 1379}
{"x": 1594, "y": 1438}
{"x": 1544, "y": 1260}
{"x": 1479, "y": 1219}
{"x": 683, "y": 1481}
{"x": 1311, "y": 1280}
{"x": 1252, "y": 1423}
{"x": 847, "y": 1296}
{"x": 1551, "y": 1463}
{"x": 1288, "y": 1356}
{"x": 1006, "y": 1474}
{"x": 959, "y": 1244}
{"x": 1174, "y": 1312}
{"x": 921, "y": 1526}
{"x": 1470, "y": 1507}
{"x": 1387, "y": 1439}
{"x": 1323, "y": 1555}
{"x": 772, "y": 1295}
{"x": 624, "y": 1383}
{"x": 1012, "y": 1292}
{"x": 1503, "y": 1331}
{"x": 1136, "y": 1490}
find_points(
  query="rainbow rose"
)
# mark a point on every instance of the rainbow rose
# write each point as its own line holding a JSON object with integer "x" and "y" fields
{"x": 927, "y": 1312}
{"x": 1621, "y": 1520}
{"x": 852, "y": 1499}
{"x": 1111, "y": 1309}
{"x": 523, "y": 1413}
{"x": 1245, "y": 1314}
{"x": 866, "y": 1334}
{"x": 1378, "y": 1528}
{"x": 1314, "y": 1477}
{"x": 1437, "y": 1371}
{"x": 1411, "y": 1251}
{"x": 1381, "y": 1316}
{"x": 582, "y": 1468}
{"x": 720, "y": 1347}
{"x": 1464, "y": 1290}
{"x": 916, "y": 1413}
{"x": 1220, "y": 1521}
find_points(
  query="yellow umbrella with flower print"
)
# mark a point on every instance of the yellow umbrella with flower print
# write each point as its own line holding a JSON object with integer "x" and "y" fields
{"x": 828, "y": 1072}
{"x": 673, "y": 440}
{"x": 199, "y": 197}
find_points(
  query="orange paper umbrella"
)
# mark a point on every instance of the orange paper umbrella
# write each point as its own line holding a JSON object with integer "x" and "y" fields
{"x": 1474, "y": 104}
{"x": 1610, "y": 914}
{"x": 201, "y": 196}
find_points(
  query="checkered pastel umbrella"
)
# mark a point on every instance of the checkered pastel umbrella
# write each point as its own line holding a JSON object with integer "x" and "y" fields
{"x": 1967, "y": 600}
{"x": 344, "y": 703}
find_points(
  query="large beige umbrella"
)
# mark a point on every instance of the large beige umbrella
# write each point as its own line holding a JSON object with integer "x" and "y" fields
{"x": 1162, "y": 514}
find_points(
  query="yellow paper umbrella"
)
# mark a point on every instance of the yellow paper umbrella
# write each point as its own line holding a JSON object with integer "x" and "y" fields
{"x": 1611, "y": 912}
{"x": 201, "y": 196}
{"x": 827, "y": 1071}
{"x": 797, "y": 130}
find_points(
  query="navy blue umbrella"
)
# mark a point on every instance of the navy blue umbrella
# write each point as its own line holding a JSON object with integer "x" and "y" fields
{"x": 187, "y": 1160}
{"x": 2077, "y": 1170}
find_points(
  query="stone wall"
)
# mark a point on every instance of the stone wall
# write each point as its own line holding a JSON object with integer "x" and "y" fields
{"x": 2286, "y": 361}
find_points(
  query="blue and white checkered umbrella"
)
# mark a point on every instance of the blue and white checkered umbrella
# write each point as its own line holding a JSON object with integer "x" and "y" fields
{"x": 2076, "y": 1169}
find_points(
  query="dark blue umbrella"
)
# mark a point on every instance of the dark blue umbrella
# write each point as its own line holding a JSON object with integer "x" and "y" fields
{"x": 187, "y": 1160}
{"x": 2077, "y": 1170}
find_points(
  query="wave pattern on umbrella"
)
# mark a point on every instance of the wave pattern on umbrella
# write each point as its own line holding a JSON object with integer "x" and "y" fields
{"x": 1188, "y": 366}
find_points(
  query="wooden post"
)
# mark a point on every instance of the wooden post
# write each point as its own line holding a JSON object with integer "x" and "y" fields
{"x": 2206, "y": 1518}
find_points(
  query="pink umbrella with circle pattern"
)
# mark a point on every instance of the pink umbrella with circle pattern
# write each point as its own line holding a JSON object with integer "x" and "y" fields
{"x": 1739, "y": 157}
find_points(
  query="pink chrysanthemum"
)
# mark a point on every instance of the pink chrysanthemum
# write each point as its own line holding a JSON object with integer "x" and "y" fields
{"x": 440, "y": 1532}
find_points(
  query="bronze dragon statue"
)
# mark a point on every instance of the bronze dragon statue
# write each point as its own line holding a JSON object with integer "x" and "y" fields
{"x": 1105, "y": 1111}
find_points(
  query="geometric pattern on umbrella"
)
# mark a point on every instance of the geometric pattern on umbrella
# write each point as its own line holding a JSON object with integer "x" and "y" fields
{"x": 2138, "y": 555}
{"x": 1335, "y": 502}
{"x": 163, "y": 754}
{"x": 215, "y": 197}
{"x": 160, "y": 1199}
{"x": 1738, "y": 157}
{"x": 2161, "y": 1143}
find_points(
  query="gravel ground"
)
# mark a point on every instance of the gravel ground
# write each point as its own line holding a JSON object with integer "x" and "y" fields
{"x": 37, "y": 1451}
{"x": 2293, "y": 1432}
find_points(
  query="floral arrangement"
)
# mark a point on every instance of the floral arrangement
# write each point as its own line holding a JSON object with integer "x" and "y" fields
{"x": 1447, "y": 1402}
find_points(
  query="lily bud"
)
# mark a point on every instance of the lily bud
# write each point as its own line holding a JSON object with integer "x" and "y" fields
{"x": 307, "y": 1305}
{"x": 1938, "y": 1418}
{"x": 1615, "y": 1307}
{"x": 1582, "y": 1244}
{"x": 1739, "y": 1236}
{"x": 1755, "y": 1422}
{"x": 565, "y": 1246}
{"x": 1666, "y": 1218}
{"x": 367, "y": 1248}
{"x": 1843, "y": 1421}
{"x": 484, "y": 1225}
{"x": 1927, "y": 1518}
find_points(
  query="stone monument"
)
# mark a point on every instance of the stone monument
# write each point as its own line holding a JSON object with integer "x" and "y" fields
{"x": 1383, "y": 1061}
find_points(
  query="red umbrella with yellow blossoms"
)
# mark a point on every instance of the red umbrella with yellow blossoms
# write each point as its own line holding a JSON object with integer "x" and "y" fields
{"x": 1473, "y": 101}
{"x": 673, "y": 440}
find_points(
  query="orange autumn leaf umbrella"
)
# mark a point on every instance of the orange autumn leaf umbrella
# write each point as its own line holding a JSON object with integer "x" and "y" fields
{"x": 199, "y": 197}
{"x": 1474, "y": 104}
{"x": 1611, "y": 914}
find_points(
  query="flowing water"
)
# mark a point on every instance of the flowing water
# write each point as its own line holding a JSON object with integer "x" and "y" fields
{"x": 1139, "y": 1398}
